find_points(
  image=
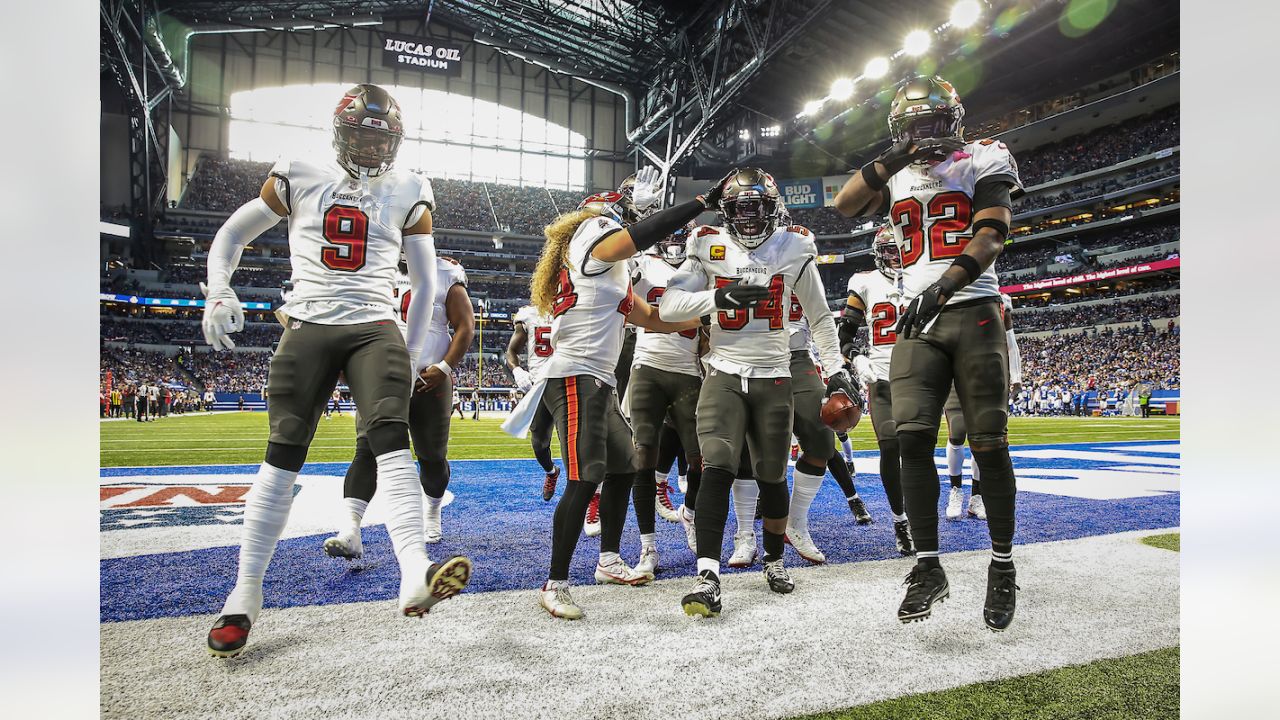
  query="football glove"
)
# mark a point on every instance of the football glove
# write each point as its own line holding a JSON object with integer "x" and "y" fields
{"x": 647, "y": 192}
{"x": 862, "y": 368}
{"x": 524, "y": 380}
{"x": 922, "y": 310}
{"x": 223, "y": 315}
{"x": 711, "y": 198}
{"x": 906, "y": 151}
{"x": 738, "y": 295}
{"x": 840, "y": 382}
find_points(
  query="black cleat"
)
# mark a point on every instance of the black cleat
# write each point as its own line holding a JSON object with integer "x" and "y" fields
{"x": 779, "y": 580}
{"x": 902, "y": 533}
{"x": 229, "y": 635}
{"x": 859, "y": 508}
{"x": 1002, "y": 598}
{"x": 925, "y": 586}
{"x": 705, "y": 598}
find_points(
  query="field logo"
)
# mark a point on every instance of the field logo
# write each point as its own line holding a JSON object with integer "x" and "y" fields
{"x": 145, "y": 505}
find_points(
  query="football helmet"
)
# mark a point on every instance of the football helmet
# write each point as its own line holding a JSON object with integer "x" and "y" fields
{"x": 885, "y": 250}
{"x": 605, "y": 204}
{"x": 671, "y": 249}
{"x": 367, "y": 131}
{"x": 926, "y": 107}
{"x": 632, "y": 213}
{"x": 751, "y": 206}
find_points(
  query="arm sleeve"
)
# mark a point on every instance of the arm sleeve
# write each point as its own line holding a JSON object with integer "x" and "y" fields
{"x": 420, "y": 251}
{"x": 245, "y": 224}
{"x": 686, "y": 297}
{"x": 991, "y": 192}
{"x": 813, "y": 298}
{"x": 1015, "y": 359}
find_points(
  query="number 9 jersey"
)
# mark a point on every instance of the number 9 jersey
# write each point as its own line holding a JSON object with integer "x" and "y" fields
{"x": 344, "y": 240}
{"x": 931, "y": 214}
{"x": 538, "y": 345}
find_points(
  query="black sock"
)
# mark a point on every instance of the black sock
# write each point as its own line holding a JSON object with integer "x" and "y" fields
{"x": 773, "y": 545}
{"x": 434, "y": 476}
{"x": 695, "y": 482}
{"x": 643, "y": 492}
{"x": 543, "y": 455}
{"x": 891, "y": 474}
{"x": 362, "y": 475}
{"x": 839, "y": 470}
{"x": 929, "y": 561}
{"x": 998, "y": 495}
{"x": 712, "y": 511}
{"x": 668, "y": 449}
{"x": 566, "y": 525}
{"x": 614, "y": 494}
{"x": 977, "y": 484}
{"x": 956, "y": 481}
{"x": 920, "y": 487}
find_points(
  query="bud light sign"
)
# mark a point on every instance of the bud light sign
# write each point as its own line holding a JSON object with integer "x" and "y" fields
{"x": 806, "y": 193}
{"x": 405, "y": 52}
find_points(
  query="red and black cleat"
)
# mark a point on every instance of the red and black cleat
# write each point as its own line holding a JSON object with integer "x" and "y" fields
{"x": 549, "y": 485}
{"x": 229, "y": 635}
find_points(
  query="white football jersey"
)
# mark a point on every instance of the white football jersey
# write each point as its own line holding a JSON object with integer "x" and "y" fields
{"x": 884, "y": 301}
{"x": 449, "y": 272}
{"x": 753, "y": 342}
{"x": 932, "y": 215}
{"x": 344, "y": 244}
{"x": 538, "y": 346}
{"x": 593, "y": 299}
{"x": 801, "y": 337}
{"x": 672, "y": 352}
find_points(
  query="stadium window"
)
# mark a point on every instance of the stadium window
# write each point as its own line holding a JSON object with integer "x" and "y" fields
{"x": 448, "y": 135}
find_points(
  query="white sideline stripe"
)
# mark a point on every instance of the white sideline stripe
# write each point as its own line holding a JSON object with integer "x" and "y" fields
{"x": 833, "y": 643}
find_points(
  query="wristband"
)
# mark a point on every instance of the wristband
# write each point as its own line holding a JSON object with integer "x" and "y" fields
{"x": 445, "y": 367}
{"x": 969, "y": 265}
{"x": 872, "y": 178}
{"x": 999, "y": 226}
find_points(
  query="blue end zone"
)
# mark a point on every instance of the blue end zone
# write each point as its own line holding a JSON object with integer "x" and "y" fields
{"x": 499, "y": 520}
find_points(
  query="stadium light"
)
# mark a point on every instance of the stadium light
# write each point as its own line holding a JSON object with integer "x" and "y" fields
{"x": 965, "y": 13}
{"x": 841, "y": 89}
{"x": 917, "y": 42}
{"x": 744, "y": 134}
{"x": 876, "y": 68}
{"x": 811, "y": 107}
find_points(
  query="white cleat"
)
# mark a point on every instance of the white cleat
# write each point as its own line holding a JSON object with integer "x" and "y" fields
{"x": 648, "y": 564}
{"x": 555, "y": 599}
{"x": 592, "y": 525}
{"x": 431, "y": 531}
{"x": 977, "y": 508}
{"x": 955, "y": 503}
{"x": 662, "y": 503}
{"x": 619, "y": 573}
{"x": 683, "y": 483}
{"x": 345, "y": 545}
{"x": 744, "y": 550}
{"x": 690, "y": 532}
{"x": 441, "y": 581}
{"x": 804, "y": 545}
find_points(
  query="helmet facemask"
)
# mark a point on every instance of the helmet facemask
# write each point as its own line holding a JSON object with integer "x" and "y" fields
{"x": 367, "y": 131}
{"x": 888, "y": 255}
{"x": 750, "y": 216}
{"x": 925, "y": 108}
{"x": 671, "y": 249}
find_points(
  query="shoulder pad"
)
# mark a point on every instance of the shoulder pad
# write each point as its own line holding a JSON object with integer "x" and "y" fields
{"x": 799, "y": 230}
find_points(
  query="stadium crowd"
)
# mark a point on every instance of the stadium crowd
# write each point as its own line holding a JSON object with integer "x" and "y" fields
{"x": 1163, "y": 306}
{"x": 1100, "y": 148}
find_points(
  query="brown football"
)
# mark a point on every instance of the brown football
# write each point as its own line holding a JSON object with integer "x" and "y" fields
{"x": 841, "y": 413}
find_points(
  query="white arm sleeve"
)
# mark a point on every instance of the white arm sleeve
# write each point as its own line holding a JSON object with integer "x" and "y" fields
{"x": 243, "y": 227}
{"x": 1015, "y": 359}
{"x": 687, "y": 296}
{"x": 813, "y": 298}
{"x": 420, "y": 252}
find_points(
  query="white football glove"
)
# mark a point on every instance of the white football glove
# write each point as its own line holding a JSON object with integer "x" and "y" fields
{"x": 862, "y": 366}
{"x": 524, "y": 380}
{"x": 647, "y": 192}
{"x": 223, "y": 315}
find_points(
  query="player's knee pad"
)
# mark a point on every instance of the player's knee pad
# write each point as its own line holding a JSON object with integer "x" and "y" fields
{"x": 811, "y": 465}
{"x": 774, "y": 502}
{"x": 647, "y": 456}
{"x": 286, "y": 457}
{"x": 388, "y": 437}
{"x": 914, "y": 444}
{"x": 988, "y": 441}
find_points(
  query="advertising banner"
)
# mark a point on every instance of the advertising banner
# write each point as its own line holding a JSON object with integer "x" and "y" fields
{"x": 1108, "y": 274}
{"x": 428, "y": 55}
{"x": 803, "y": 193}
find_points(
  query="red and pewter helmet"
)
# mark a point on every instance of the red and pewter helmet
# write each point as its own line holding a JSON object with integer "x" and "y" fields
{"x": 671, "y": 249}
{"x": 751, "y": 206}
{"x": 926, "y": 107}
{"x": 607, "y": 204}
{"x": 630, "y": 213}
{"x": 885, "y": 250}
{"x": 367, "y": 130}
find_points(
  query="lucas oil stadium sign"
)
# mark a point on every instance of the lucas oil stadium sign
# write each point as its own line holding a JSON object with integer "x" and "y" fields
{"x": 429, "y": 55}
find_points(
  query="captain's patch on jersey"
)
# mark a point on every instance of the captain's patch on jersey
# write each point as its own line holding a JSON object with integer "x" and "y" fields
{"x": 717, "y": 252}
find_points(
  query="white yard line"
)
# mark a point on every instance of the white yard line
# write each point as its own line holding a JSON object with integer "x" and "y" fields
{"x": 834, "y": 643}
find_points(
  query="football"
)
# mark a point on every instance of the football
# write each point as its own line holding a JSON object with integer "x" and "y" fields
{"x": 840, "y": 413}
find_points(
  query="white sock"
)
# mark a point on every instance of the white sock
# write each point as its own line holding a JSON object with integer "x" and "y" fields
{"x": 1002, "y": 557}
{"x": 973, "y": 471}
{"x": 745, "y": 494}
{"x": 609, "y": 558}
{"x": 355, "y": 512}
{"x": 847, "y": 446}
{"x": 400, "y": 487}
{"x": 659, "y": 476}
{"x": 648, "y": 540}
{"x": 804, "y": 488}
{"x": 266, "y": 512}
{"x": 899, "y": 517}
{"x": 711, "y": 564}
{"x": 955, "y": 459}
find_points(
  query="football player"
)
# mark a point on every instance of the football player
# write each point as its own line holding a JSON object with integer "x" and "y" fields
{"x": 665, "y": 379}
{"x": 583, "y": 282}
{"x": 875, "y": 301}
{"x": 948, "y": 202}
{"x": 956, "y": 430}
{"x": 742, "y": 276}
{"x": 349, "y": 218}
{"x": 429, "y": 408}
{"x": 533, "y": 335}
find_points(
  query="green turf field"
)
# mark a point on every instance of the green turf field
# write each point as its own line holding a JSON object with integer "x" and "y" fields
{"x": 241, "y": 437}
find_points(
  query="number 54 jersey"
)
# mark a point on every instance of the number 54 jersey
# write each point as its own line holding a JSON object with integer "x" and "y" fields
{"x": 344, "y": 241}
{"x": 931, "y": 214}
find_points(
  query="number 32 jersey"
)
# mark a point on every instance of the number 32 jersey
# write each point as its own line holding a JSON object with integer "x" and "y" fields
{"x": 932, "y": 214}
{"x": 884, "y": 303}
{"x": 344, "y": 243}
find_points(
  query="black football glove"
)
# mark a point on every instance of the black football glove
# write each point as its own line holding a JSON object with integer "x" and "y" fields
{"x": 738, "y": 295}
{"x": 711, "y": 198}
{"x": 841, "y": 382}
{"x": 906, "y": 151}
{"x": 923, "y": 309}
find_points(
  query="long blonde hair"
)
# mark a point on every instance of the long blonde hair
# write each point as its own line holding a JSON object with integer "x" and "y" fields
{"x": 546, "y": 276}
